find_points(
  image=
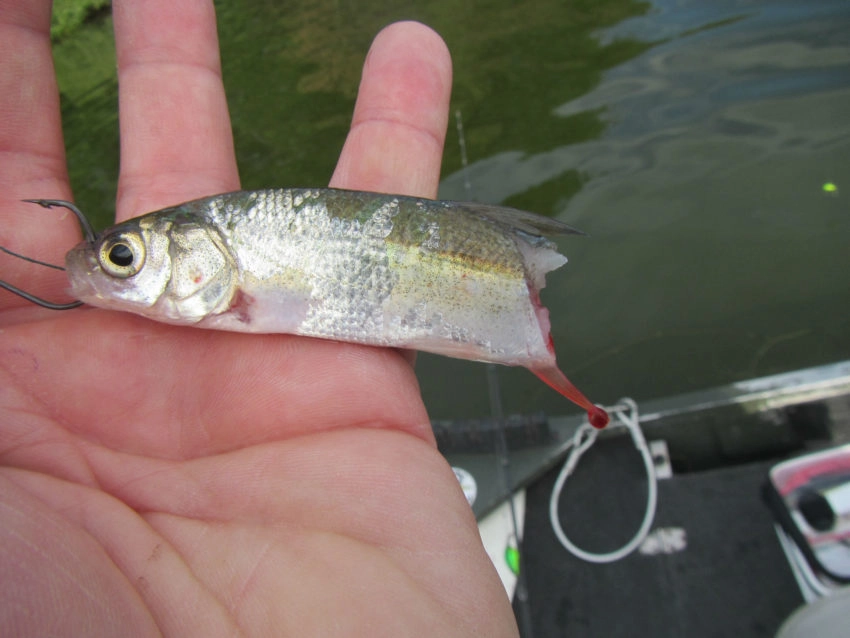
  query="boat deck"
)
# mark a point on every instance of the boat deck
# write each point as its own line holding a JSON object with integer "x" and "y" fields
{"x": 713, "y": 565}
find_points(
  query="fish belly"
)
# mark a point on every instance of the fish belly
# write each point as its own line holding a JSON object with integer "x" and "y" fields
{"x": 408, "y": 273}
{"x": 434, "y": 307}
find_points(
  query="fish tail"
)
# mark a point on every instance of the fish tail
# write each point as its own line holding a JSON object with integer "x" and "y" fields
{"x": 557, "y": 380}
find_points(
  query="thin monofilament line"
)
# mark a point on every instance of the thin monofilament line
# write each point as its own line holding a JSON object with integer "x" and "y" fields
{"x": 498, "y": 416}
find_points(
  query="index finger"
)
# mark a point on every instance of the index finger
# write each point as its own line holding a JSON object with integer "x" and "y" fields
{"x": 176, "y": 141}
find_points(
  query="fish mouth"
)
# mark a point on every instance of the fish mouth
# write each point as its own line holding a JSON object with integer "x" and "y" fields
{"x": 89, "y": 283}
{"x": 81, "y": 267}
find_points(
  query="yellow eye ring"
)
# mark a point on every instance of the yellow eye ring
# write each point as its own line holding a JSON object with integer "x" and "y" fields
{"x": 122, "y": 255}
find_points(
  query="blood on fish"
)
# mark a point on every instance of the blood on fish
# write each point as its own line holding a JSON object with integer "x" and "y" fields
{"x": 552, "y": 375}
{"x": 240, "y": 306}
{"x": 557, "y": 380}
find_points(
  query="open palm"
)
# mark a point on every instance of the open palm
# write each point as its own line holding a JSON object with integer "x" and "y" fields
{"x": 158, "y": 479}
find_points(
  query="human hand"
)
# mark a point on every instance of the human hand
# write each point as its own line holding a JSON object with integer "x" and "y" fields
{"x": 167, "y": 479}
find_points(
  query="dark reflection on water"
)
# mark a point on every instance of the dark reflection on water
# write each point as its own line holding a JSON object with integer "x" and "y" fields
{"x": 692, "y": 140}
{"x": 715, "y": 255}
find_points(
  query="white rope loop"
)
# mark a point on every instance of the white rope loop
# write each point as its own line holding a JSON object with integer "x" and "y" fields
{"x": 626, "y": 413}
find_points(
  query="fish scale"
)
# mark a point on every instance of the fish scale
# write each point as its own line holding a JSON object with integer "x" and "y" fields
{"x": 458, "y": 279}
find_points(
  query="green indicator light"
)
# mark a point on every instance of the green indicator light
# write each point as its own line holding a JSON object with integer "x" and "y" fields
{"x": 512, "y": 559}
{"x": 829, "y": 187}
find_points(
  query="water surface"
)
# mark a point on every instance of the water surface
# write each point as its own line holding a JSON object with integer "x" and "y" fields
{"x": 693, "y": 140}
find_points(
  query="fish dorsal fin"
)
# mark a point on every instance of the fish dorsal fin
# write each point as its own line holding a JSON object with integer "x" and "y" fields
{"x": 519, "y": 220}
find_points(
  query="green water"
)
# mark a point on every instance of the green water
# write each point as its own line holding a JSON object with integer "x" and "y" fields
{"x": 692, "y": 140}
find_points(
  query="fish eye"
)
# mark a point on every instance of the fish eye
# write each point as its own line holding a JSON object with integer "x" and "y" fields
{"x": 122, "y": 255}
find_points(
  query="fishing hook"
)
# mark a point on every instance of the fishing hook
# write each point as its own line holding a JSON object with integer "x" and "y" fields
{"x": 90, "y": 235}
{"x": 85, "y": 224}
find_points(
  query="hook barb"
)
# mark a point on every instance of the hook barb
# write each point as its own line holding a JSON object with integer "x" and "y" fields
{"x": 85, "y": 224}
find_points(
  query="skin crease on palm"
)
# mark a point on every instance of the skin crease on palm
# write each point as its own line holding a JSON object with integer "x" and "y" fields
{"x": 165, "y": 480}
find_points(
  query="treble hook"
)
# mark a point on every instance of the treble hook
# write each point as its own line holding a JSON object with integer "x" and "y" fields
{"x": 90, "y": 236}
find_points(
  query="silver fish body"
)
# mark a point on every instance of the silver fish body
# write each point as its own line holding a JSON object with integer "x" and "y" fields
{"x": 450, "y": 278}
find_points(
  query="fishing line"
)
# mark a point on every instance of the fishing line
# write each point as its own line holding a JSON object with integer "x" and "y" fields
{"x": 626, "y": 416}
{"x": 497, "y": 413}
